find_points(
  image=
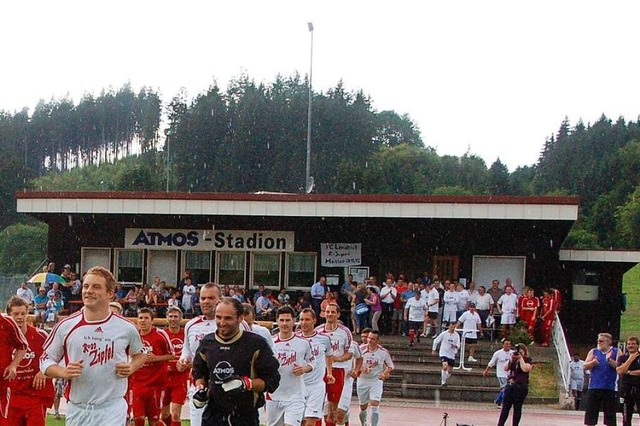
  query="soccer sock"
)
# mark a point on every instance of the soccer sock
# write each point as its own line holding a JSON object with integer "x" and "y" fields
{"x": 363, "y": 417}
{"x": 443, "y": 377}
{"x": 375, "y": 415}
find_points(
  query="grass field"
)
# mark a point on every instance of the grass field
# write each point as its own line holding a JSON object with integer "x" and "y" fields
{"x": 630, "y": 322}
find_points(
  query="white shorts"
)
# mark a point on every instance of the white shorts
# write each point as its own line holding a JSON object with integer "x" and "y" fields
{"x": 369, "y": 390}
{"x": 576, "y": 384}
{"x": 195, "y": 414}
{"x": 347, "y": 393}
{"x": 289, "y": 411}
{"x": 449, "y": 315}
{"x": 508, "y": 319}
{"x": 314, "y": 405}
{"x": 112, "y": 413}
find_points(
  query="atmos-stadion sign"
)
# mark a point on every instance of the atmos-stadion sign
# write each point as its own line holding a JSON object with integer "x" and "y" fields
{"x": 341, "y": 254}
{"x": 208, "y": 240}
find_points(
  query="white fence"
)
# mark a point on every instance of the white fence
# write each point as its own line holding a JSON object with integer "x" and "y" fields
{"x": 564, "y": 357}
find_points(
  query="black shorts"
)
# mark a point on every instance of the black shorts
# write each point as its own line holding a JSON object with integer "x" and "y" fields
{"x": 432, "y": 315}
{"x": 415, "y": 325}
{"x": 470, "y": 341}
{"x": 601, "y": 399}
{"x": 450, "y": 362}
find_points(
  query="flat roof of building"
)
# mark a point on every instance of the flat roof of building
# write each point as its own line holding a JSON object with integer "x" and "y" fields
{"x": 301, "y": 205}
{"x": 609, "y": 256}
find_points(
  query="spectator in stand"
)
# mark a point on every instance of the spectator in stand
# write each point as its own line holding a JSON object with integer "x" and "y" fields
{"x": 508, "y": 307}
{"x": 174, "y": 300}
{"x": 373, "y": 300}
{"x": 264, "y": 307}
{"x": 449, "y": 311}
{"x": 66, "y": 286}
{"x": 398, "y": 308}
{"x": 449, "y": 342}
{"x": 283, "y": 297}
{"x": 345, "y": 288}
{"x": 25, "y": 293}
{"x": 76, "y": 287}
{"x": 425, "y": 280}
{"x": 157, "y": 284}
{"x": 54, "y": 306}
{"x": 31, "y": 392}
{"x": 362, "y": 314}
{"x": 131, "y": 301}
{"x": 40, "y": 307}
{"x": 185, "y": 275}
{"x": 120, "y": 293}
{"x": 318, "y": 291}
{"x": 388, "y": 295}
{"x": 471, "y": 324}
{"x": 188, "y": 292}
{"x": 495, "y": 291}
{"x": 53, "y": 287}
{"x": 329, "y": 298}
{"x": 484, "y": 306}
{"x": 463, "y": 300}
{"x": 498, "y": 360}
{"x": 473, "y": 293}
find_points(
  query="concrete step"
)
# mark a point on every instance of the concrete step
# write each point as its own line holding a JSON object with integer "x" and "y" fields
{"x": 449, "y": 392}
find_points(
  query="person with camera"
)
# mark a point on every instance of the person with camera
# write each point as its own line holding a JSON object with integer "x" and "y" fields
{"x": 232, "y": 369}
{"x": 629, "y": 383}
{"x": 518, "y": 367}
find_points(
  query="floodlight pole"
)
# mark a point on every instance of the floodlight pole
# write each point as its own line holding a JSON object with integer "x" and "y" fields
{"x": 307, "y": 184}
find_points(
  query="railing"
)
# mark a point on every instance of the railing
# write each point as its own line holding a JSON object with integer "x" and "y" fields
{"x": 564, "y": 356}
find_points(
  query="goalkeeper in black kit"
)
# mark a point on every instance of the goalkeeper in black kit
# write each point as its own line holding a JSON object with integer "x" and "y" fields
{"x": 232, "y": 369}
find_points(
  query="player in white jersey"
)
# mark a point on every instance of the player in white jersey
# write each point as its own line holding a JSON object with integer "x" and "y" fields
{"x": 249, "y": 319}
{"x": 296, "y": 359}
{"x": 449, "y": 342}
{"x": 341, "y": 338}
{"x": 347, "y": 390}
{"x": 316, "y": 390}
{"x": 508, "y": 307}
{"x": 498, "y": 360}
{"x": 101, "y": 351}
{"x": 433, "y": 306}
{"x": 375, "y": 368}
{"x": 194, "y": 331}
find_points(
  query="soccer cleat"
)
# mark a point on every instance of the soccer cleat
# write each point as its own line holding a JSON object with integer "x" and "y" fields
{"x": 471, "y": 359}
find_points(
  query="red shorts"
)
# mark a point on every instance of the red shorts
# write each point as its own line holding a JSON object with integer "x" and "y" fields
{"x": 334, "y": 390}
{"x": 147, "y": 402}
{"x": 33, "y": 415}
{"x": 176, "y": 392}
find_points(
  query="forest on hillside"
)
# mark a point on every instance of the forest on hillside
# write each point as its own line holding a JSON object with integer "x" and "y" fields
{"x": 252, "y": 137}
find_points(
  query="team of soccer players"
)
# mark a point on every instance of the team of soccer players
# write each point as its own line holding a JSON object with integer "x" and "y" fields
{"x": 317, "y": 365}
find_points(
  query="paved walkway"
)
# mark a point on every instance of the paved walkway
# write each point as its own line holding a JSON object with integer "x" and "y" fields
{"x": 401, "y": 412}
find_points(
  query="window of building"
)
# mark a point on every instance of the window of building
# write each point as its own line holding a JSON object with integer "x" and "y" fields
{"x": 162, "y": 264}
{"x": 129, "y": 266}
{"x": 199, "y": 263}
{"x": 266, "y": 269}
{"x": 301, "y": 268}
{"x": 95, "y": 257}
{"x": 231, "y": 268}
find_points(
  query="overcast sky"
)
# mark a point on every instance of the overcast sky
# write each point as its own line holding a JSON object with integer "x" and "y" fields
{"x": 492, "y": 77}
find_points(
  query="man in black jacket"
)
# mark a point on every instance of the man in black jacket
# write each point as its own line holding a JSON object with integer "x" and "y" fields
{"x": 234, "y": 368}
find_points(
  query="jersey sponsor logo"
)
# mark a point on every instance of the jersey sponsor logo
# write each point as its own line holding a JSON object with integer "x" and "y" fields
{"x": 98, "y": 330}
{"x": 287, "y": 358}
{"x": 222, "y": 370}
{"x": 27, "y": 359}
{"x": 177, "y": 345}
{"x": 99, "y": 355}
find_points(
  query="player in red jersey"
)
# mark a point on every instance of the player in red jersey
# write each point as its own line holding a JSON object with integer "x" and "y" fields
{"x": 175, "y": 393}
{"x": 548, "y": 315}
{"x": 528, "y": 307}
{"x": 12, "y": 350}
{"x": 31, "y": 391}
{"x": 148, "y": 383}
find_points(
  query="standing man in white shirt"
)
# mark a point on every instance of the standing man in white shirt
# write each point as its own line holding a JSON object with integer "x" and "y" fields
{"x": 449, "y": 342}
{"x": 463, "y": 300}
{"x": 498, "y": 360}
{"x": 471, "y": 324}
{"x": 388, "y": 295}
{"x": 194, "y": 332}
{"x": 450, "y": 308}
{"x": 576, "y": 381}
{"x": 25, "y": 293}
{"x": 376, "y": 367}
{"x": 433, "y": 306}
{"x": 508, "y": 307}
{"x": 484, "y": 306}
{"x": 101, "y": 351}
{"x": 285, "y": 405}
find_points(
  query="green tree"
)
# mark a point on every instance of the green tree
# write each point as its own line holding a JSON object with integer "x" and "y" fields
{"x": 498, "y": 178}
{"x": 22, "y": 248}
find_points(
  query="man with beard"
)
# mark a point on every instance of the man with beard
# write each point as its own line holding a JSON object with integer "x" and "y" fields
{"x": 231, "y": 370}
{"x": 629, "y": 383}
